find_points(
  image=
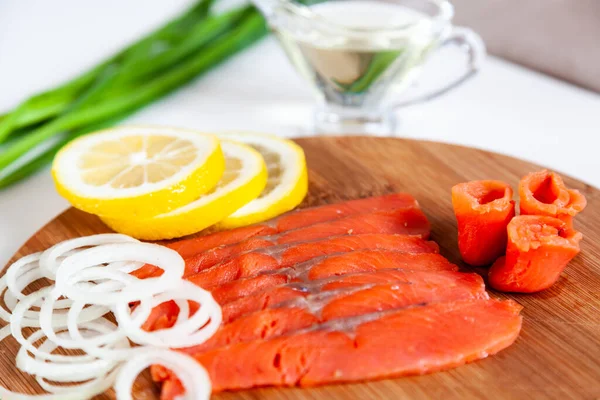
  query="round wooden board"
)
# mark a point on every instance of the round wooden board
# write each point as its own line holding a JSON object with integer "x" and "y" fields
{"x": 557, "y": 355}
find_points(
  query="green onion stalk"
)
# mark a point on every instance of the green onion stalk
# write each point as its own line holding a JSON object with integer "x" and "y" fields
{"x": 144, "y": 72}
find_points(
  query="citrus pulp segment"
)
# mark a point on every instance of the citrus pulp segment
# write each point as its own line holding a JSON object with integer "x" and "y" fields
{"x": 244, "y": 179}
{"x": 137, "y": 171}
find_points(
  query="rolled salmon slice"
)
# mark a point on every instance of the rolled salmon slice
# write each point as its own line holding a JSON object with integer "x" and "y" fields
{"x": 391, "y": 343}
{"x": 539, "y": 248}
{"x": 545, "y": 193}
{"x": 483, "y": 209}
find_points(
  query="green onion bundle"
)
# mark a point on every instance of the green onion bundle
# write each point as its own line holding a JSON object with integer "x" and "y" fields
{"x": 138, "y": 75}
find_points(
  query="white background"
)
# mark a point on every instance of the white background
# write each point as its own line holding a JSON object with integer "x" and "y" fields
{"x": 506, "y": 108}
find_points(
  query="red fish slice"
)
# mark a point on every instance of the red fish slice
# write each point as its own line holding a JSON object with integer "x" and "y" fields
{"x": 346, "y": 298}
{"x": 278, "y": 257}
{"x": 254, "y": 263}
{"x": 401, "y": 342}
{"x": 292, "y": 220}
{"x": 248, "y": 295}
{"x": 410, "y": 221}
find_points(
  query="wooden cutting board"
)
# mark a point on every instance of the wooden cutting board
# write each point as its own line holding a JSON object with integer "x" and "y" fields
{"x": 557, "y": 355}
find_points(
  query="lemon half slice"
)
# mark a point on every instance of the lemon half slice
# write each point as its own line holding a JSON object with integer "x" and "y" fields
{"x": 287, "y": 183}
{"x": 244, "y": 179}
{"x": 137, "y": 171}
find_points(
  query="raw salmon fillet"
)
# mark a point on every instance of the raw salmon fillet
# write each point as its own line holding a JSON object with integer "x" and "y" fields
{"x": 259, "y": 292}
{"x": 338, "y": 293}
{"x": 305, "y": 305}
{"x": 294, "y": 220}
{"x": 287, "y": 222}
{"x": 225, "y": 286}
{"x": 255, "y": 263}
{"x": 335, "y": 265}
{"x": 397, "y": 342}
{"x": 410, "y": 221}
{"x": 277, "y": 294}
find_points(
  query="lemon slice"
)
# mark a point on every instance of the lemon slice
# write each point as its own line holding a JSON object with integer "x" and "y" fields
{"x": 244, "y": 179}
{"x": 287, "y": 183}
{"x": 137, "y": 171}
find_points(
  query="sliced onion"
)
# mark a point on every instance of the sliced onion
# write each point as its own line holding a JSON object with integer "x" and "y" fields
{"x": 83, "y": 388}
{"x": 92, "y": 278}
{"x": 10, "y": 297}
{"x": 49, "y": 260}
{"x": 100, "y": 345}
{"x": 49, "y": 322}
{"x": 6, "y": 394}
{"x": 192, "y": 375}
{"x": 160, "y": 256}
{"x": 18, "y": 322}
{"x": 69, "y": 368}
{"x": 18, "y": 318}
{"x": 19, "y": 267}
{"x": 102, "y": 280}
{"x": 4, "y": 313}
{"x": 192, "y": 331}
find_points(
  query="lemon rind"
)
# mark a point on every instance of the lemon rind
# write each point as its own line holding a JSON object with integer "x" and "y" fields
{"x": 199, "y": 181}
{"x": 189, "y": 219}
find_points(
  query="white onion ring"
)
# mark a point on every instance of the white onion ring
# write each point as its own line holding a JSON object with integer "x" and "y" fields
{"x": 26, "y": 264}
{"x": 21, "y": 283}
{"x": 4, "y": 332}
{"x": 48, "y": 322}
{"x": 18, "y": 321}
{"x": 5, "y": 312}
{"x": 192, "y": 375}
{"x": 82, "y": 389}
{"x": 49, "y": 259}
{"x": 18, "y": 318}
{"x": 92, "y": 274}
{"x": 85, "y": 386}
{"x": 160, "y": 256}
{"x": 75, "y": 395}
{"x": 100, "y": 345}
{"x": 193, "y": 331}
{"x": 15, "y": 283}
{"x": 70, "y": 368}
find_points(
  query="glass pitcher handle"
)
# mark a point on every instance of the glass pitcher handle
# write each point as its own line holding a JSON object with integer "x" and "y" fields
{"x": 468, "y": 41}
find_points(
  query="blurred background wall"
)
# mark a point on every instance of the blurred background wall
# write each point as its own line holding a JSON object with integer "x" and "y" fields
{"x": 557, "y": 37}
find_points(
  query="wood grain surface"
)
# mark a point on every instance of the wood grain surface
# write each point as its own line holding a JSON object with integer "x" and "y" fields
{"x": 557, "y": 355}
